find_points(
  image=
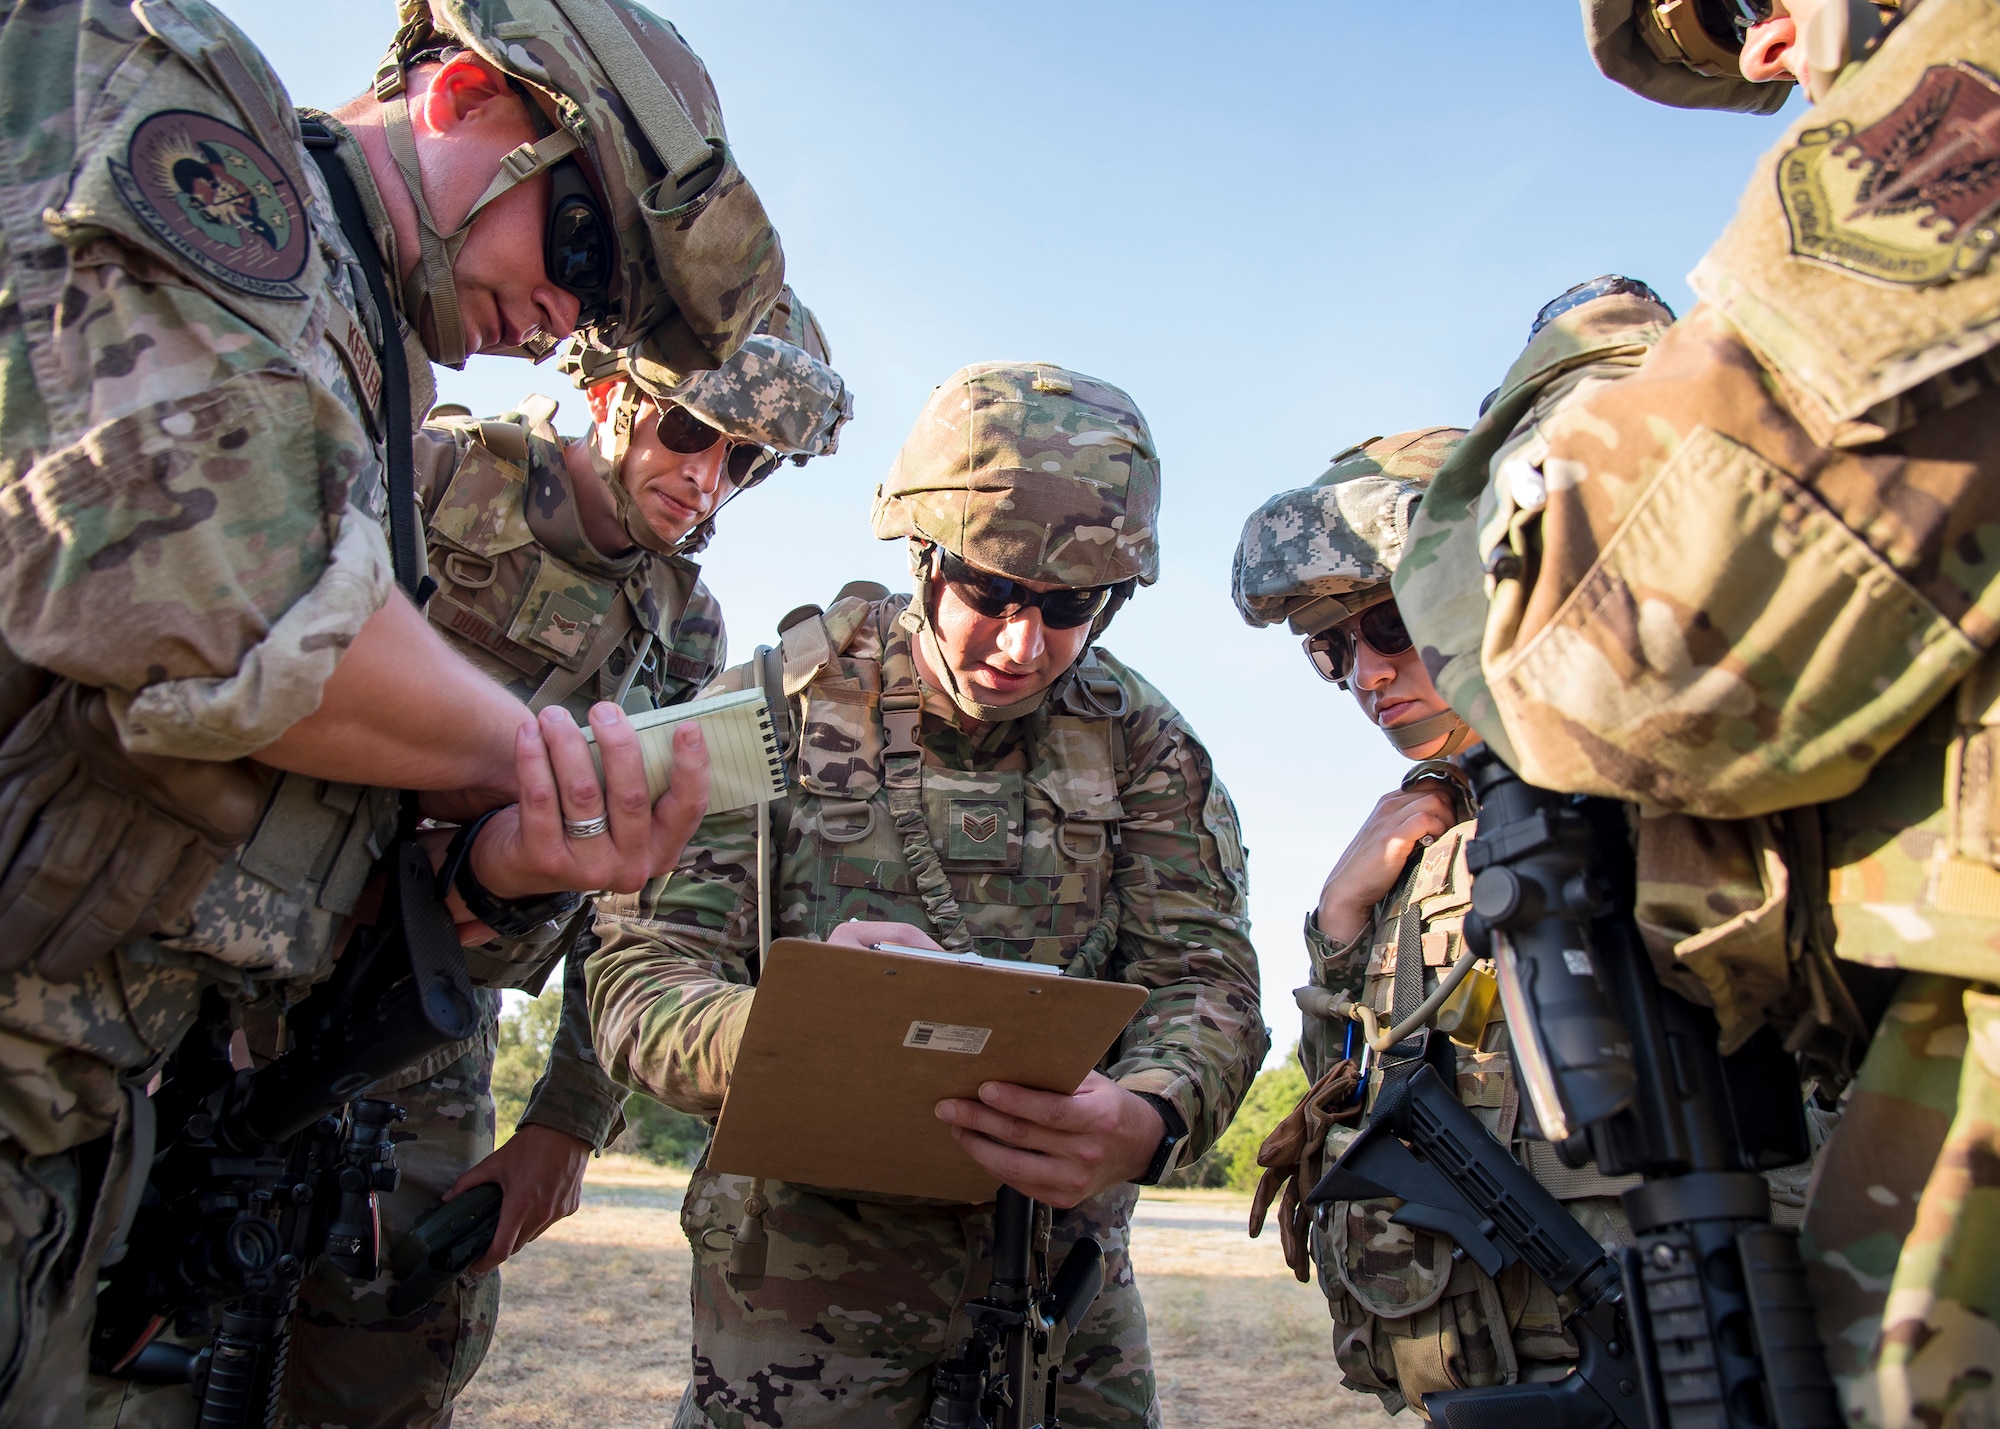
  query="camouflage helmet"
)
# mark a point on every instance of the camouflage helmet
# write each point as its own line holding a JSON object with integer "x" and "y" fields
{"x": 772, "y": 398}
{"x": 1319, "y": 554}
{"x": 1032, "y": 471}
{"x": 698, "y": 261}
{"x": 1682, "y": 53}
{"x": 779, "y": 390}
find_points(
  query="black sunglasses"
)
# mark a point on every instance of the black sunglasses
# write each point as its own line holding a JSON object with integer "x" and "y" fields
{"x": 999, "y": 598}
{"x": 577, "y": 249}
{"x": 1332, "y": 651}
{"x": 1728, "y": 22}
{"x": 682, "y": 431}
{"x": 579, "y": 252}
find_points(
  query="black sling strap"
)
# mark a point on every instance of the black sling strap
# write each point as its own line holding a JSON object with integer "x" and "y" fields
{"x": 398, "y": 427}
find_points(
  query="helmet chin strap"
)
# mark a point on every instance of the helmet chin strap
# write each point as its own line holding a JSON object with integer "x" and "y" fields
{"x": 432, "y": 277}
{"x": 1411, "y": 736}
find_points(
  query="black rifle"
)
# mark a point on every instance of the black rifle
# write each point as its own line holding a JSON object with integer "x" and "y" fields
{"x": 1706, "y": 1323}
{"x": 261, "y": 1173}
{"x": 1004, "y": 1374}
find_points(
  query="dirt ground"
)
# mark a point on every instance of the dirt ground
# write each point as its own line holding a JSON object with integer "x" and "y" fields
{"x": 594, "y": 1330}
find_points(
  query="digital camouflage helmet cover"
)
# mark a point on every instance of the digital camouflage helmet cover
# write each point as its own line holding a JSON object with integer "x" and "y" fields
{"x": 1320, "y": 554}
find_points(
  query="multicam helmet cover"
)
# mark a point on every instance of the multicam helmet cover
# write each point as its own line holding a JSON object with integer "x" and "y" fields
{"x": 1319, "y": 554}
{"x": 1032, "y": 471}
{"x": 698, "y": 260}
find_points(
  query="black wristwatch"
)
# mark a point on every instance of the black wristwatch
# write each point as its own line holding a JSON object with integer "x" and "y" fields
{"x": 508, "y": 917}
{"x": 1167, "y": 1156}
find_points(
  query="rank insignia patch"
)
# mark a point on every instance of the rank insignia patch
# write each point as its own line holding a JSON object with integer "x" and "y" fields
{"x": 977, "y": 831}
{"x": 1909, "y": 199}
{"x": 217, "y": 198}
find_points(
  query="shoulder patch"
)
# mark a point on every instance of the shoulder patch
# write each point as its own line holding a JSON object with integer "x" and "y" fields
{"x": 1910, "y": 198}
{"x": 217, "y": 197}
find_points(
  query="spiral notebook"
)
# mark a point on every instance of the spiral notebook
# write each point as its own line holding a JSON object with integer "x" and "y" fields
{"x": 744, "y": 766}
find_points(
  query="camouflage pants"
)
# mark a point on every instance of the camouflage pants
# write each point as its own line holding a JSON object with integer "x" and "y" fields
{"x": 861, "y": 1300}
{"x": 1902, "y": 1228}
{"x": 356, "y": 1366}
{"x": 44, "y": 1333}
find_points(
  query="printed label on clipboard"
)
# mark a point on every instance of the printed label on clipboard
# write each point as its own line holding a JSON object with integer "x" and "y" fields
{"x": 947, "y": 1037}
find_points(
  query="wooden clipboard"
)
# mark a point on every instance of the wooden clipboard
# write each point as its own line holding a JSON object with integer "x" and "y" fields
{"x": 848, "y": 1051}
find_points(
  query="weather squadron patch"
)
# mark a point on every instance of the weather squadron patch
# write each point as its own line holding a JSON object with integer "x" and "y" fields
{"x": 1909, "y": 199}
{"x": 217, "y": 198}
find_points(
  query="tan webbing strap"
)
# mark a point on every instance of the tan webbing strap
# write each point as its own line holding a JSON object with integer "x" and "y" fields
{"x": 506, "y": 440}
{"x": 522, "y": 163}
{"x": 279, "y": 139}
{"x": 1495, "y": 1311}
{"x": 665, "y": 124}
{"x": 432, "y": 275}
{"x": 561, "y": 683}
{"x": 1571, "y": 1183}
{"x": 639, "y": 653}
{"x": 903, "y": 781}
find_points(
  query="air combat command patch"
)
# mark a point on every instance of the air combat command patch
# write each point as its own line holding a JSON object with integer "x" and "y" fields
{"x": 1909, "y": 199}
{"x": 217, "y": 198}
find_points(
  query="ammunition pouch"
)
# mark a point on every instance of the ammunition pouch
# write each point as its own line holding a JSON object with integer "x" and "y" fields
{"x": 100, "y": 846}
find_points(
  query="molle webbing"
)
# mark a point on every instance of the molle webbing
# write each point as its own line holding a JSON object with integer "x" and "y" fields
{"x": 903, "y": 781}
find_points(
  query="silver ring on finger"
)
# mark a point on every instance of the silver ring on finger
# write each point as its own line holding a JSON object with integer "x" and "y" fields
{"x": 586, "y": 828}
{"x": 1429, "y": 839}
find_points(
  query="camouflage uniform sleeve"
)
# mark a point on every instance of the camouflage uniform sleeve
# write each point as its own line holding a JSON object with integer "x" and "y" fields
{"x": 1338, "y": 967}
{"x": 573, "y": 1095}
{"x": 1717, "y": 613}
{"x": 1183, "y": 930}
{"x": 195, "y": 521}
{"x": 175, "y": 471}
{"x": 1442, "y": 585}
{"x": 670, "y": 982}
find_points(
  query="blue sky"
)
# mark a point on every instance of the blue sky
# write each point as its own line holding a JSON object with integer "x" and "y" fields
{"x": 1282, "y": 227}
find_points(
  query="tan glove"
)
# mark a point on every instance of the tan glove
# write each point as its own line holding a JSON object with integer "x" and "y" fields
{"x": 1291, "y": 1157}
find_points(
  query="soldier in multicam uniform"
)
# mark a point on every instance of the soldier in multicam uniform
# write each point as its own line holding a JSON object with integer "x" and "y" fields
{"x": 520, "y": 519}
{"x": 969, "y": 769}
{"x": 1741, "y": 570}
{"x": 1410, "y": 1314}
{"x": 202, "y": 429}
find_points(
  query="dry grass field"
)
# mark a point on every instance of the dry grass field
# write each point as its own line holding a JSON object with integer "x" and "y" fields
{"x": 595, "y": 1326}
